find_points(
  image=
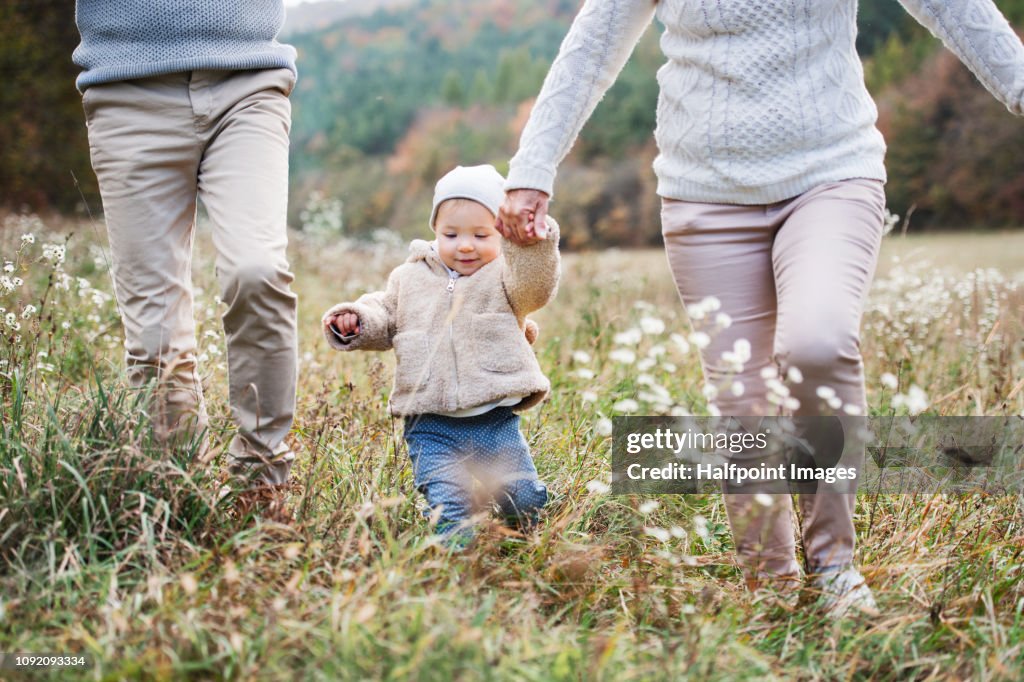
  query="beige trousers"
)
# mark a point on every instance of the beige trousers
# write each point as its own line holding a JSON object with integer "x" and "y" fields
{"x": 158, "y": 144}
{"x": 793, "y": 277}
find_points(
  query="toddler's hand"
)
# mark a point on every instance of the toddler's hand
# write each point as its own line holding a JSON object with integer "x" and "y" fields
{"x": 346, "y": 324}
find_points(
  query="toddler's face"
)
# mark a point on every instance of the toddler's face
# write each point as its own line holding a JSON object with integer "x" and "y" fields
{"x": 466, "y": 238}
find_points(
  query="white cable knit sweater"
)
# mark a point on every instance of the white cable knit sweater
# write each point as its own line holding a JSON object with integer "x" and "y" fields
{"x": 761, "y": 100}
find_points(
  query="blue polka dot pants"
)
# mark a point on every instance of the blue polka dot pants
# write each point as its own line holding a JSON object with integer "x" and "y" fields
{"x": 464, "y": 464}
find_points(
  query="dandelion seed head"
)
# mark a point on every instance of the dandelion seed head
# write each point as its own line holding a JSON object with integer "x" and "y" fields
{"x": 581, "y": 356}
{"x": 626, "y": 406}
{"x": 652, "y": 325}
{"x": 825, "y": 392}
{"x": 603, "y": 426}
{"x": 630, "y": 337}
{"x": 623, "y": 356}
{"x": 659, "y": 534}
{"x": 648, "y": 506}
{"x": 700, "y": 340}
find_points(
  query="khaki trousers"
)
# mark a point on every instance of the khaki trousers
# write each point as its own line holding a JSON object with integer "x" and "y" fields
{"x": 158, "y": 144}
{"x": 793, "y": 276}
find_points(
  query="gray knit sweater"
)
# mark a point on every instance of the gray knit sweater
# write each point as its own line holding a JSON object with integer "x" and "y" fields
{"x": 127, "y": 39}
{"x": 761, "y": 100}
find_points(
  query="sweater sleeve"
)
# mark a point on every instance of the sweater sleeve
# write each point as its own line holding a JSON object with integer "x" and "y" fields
{"x": 978, "y": 33}
{"x": 592, "y": 54}
{"x": 377, "y": 314}
{"x": 531, "y": 272}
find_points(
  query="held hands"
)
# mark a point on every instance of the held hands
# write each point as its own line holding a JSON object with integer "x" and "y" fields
{"x": 345, "y": 325}
{"x": 522, "y": 217}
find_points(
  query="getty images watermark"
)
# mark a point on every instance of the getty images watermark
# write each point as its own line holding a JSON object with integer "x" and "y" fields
{"x": 817, "y": 455}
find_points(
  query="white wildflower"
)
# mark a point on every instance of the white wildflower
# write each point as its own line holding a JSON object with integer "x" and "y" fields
{"x": 737, "y": 388}
{"x": 648, "y": 506}
{"x": 28, "y": 311}
{"x": 652, "y": 325}
{"x": 646, "y": 364}
{"x": 889, "y": 381}
{"x": 681, "y": 342}
{"x": 794, "y": 375}
{"x": 915, "y": 400}
{"x": 659, "y": 534}
{"x": 723, "y": 320}
{"x": 764, "y": 499}
{"x": 584, "y": 373}
{"x": 769, "y": 372}
{"x": 581, "y": 356}
{"x": 8, "y": 267}
{"x": 597, "y": 487}
{"x": 626, "y": 406}
{"x": 588, "y": 396}
{"x": 54, "y": 252}
{"x": 603, "y": 426}
{"x": 623, "y": 355}
{"x": 700, "y": 526}
{"x": 28, "y": 238}
{"x": 700, "y": 340}
{"x": 777, "y": 387}
{"x": 826, "y": 392}
{"x": 630, "y": 337}
{"x": 656, "y": 351}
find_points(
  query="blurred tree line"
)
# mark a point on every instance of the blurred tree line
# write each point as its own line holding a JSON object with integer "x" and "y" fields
{"x": 387, "y": 102}
{"x": 42, "y": 130}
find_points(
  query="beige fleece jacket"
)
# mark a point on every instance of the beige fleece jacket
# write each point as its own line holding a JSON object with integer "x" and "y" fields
{"x": 459, "y": 343}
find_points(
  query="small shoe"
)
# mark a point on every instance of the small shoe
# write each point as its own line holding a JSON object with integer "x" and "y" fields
{"x": 843, "y": 592}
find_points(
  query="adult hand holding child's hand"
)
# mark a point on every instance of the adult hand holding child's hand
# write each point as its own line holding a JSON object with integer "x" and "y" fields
{"x": 521, "y": 218}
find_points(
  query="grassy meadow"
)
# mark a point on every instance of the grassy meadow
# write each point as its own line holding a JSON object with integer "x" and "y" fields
{"x": 111, "y": 547}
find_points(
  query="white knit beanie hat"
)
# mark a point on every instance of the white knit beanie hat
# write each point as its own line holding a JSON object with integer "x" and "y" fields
{"x": 483, "y": 184}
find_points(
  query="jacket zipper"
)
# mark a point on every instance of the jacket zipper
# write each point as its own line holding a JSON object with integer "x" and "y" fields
{"x": 451, "y": 336}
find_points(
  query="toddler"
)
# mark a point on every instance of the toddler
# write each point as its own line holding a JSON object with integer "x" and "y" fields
{"x": 455, "y": 314}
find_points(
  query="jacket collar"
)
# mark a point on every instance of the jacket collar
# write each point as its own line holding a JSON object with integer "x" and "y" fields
{"x": 422, "y": 250}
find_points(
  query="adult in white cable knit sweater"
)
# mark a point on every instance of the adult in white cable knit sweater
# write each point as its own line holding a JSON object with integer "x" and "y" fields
{"x": 771, "y": 175}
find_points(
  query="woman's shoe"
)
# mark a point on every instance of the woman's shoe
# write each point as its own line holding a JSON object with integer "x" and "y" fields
{"x": 842, "y": 592}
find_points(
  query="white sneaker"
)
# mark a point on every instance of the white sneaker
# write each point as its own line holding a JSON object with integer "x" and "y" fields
{"x": 843, "y": 590}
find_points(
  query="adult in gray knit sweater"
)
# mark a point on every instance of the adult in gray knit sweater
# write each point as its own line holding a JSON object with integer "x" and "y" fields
{"x": 771, "y": 176}
{"x": 194, "y": 104}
